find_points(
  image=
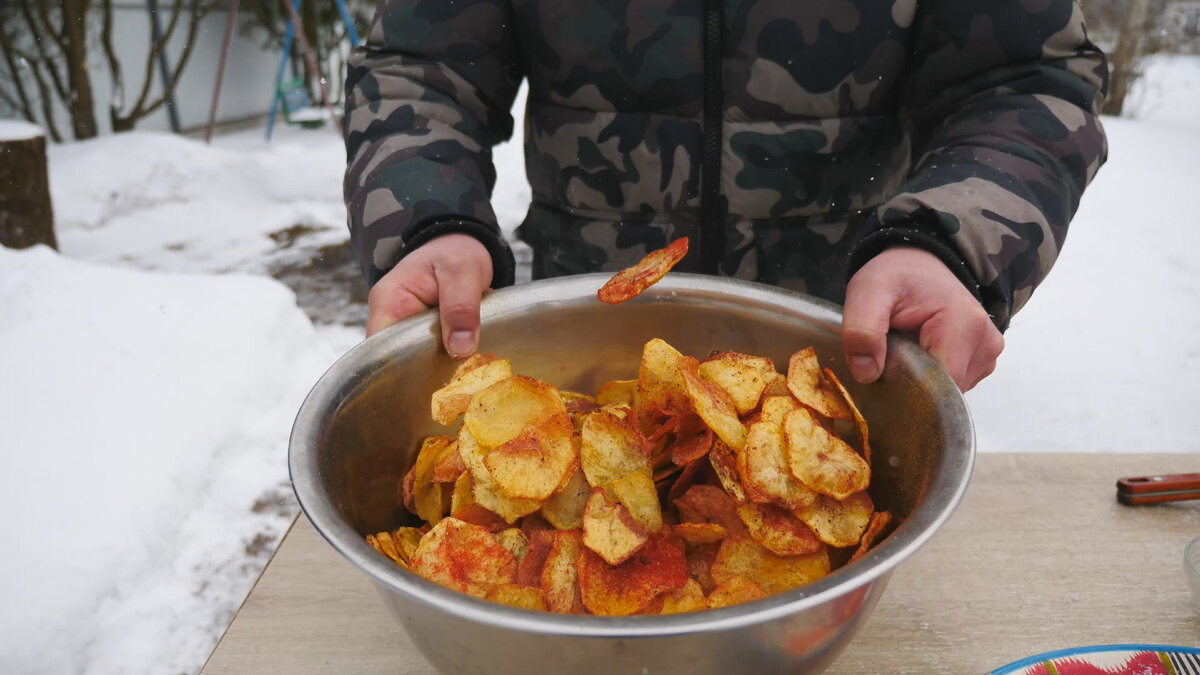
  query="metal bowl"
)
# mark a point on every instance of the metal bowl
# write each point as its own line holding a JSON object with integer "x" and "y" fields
{"x": 358, "y": 431}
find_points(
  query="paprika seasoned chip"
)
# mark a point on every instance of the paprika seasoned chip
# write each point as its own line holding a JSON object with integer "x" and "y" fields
{"x": 778, "y": 530}
{"x": 879, "y": 522}
{"x": 430, "y": 500}
{"x": 699, "y": 533}
{"x": 472, "y": 376}
{"x": 724, "y": 464}
{"x": 806, "y": 383}
{"x": 611, "y": 446}
{"x": 689, "y": 598}
{"x": 464, "y": 507}
{"x": 620, "y": 590}
{"x": 741, "y": 555}
{"x": 714, "y": 405}
{"x": 631, "y": 281}
{"x": 743, "y": 376}
{"x": 564, "y": 508}
{"x": 522, "y": 597}
{"x": 515, "y": 541}
{"x": 610, "y": 530}
{"x": 660, "y": 387}
{"x": 464, "y": 557}
{"x": 635, "y": 491}
{"x": 860, "y": 422}
{"x": 535, "y": 463}
{"x": 765, "y": 472}
{"x": 484, "y": 490}
{"x": 734, "y": 591}
{"x": 560, "y": 576}
{"x": 839, "y": 523}
{"x": 822, "y": 461}
{"x": 502, "y": 411}
{"x": 709, "y": 504}
{"x": 617, "y": 392}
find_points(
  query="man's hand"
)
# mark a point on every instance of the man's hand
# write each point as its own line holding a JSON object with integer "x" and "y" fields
{"x": 909, "y": 289}
{"x": 451, "y": 272}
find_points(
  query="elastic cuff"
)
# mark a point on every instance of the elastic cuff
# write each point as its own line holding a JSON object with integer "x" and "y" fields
{"x": 503, "y": 264}
{"x": 889, "y": 237}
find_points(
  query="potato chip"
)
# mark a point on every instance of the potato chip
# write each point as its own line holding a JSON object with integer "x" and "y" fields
{"x": 660, "y": 387}
{"x": 464, "y": 557}
{"x": 699, "y": 533}
{"x": 560, "y": 576}
{"x": 687, "y": 477}
{"x": 484, "y": 490}
{"x": 879, "y": 522}
{"x": 635, "y": 491}
{"x": 406, "y": 539}
{"x": 688, "y": 598}
{"x": 777, "y": 529}
{"x": 611, "y": 446}
{"x": 822, "y": 461}
{"x": 617, "y": 392}
{"x": 515, "y": 541}
{"x": 733, "y": 591}
{"x": 472, "y": 376}
{"x": 805, "y": 382}
{"x": 700, "y": 561}
{"x": 610, "y": 530}
{"x": 860, "y": 422}
{"x": 744, "y": 377}
{"x": 430, "y": 501}
{"x": 839, "y": 523}
{"x": 659, "y": 567}
{"x": 776, "y": 386}
{"x": 765, "y": 472}
{"x": 724, "y": 464}
{"x": 529, "y": 568}
{"x": 535, "y": 463}
{"x": 709, "y": 504}
{"x": 691, "y": 444}
{"x": 776, "y": 408}
{"x": 715, "y": 407}
{"x": 521, "y": 597}
{"x": 564, "y": 508}
{"x": 502, "y": 411}
{"x": 449, "y": 466}
{"x": 741, "y": 555}
{"x": 407, "y": 498}
{"x": 383, "y": 543}
{"x": 631, "y": 281}
{"x": 464, "y": 508}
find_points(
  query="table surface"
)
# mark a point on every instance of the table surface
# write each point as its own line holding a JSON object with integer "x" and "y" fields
{"x": 1039, "y": 556}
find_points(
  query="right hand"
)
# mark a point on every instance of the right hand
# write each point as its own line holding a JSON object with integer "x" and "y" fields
{"x": 450, "y": 272}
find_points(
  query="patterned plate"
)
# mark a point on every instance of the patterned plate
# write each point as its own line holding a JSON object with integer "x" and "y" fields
{"x": 1110, "y": 660}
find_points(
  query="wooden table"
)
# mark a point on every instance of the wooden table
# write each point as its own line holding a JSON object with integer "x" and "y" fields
{"x": 1039, "y": 556}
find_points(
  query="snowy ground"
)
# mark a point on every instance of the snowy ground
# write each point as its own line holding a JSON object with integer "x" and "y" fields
{"x": 152, "y": 370}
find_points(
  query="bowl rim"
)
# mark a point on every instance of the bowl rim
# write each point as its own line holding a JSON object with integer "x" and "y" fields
{"x": 945, "y": 491}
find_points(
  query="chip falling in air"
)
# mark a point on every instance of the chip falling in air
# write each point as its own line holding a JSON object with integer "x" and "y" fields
{"x": 631, "y": 281}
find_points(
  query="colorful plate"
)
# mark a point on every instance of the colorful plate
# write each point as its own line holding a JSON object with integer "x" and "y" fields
{"x": 1110, "y": 660}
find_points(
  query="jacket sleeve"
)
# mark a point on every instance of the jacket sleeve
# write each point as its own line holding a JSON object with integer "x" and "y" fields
{"x": 1002, "y": 98}
{"x": 427, "y": 97}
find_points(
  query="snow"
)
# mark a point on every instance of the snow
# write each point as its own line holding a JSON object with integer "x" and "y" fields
{"x": 151, "y": 371}
{"x": 18, "y": 130}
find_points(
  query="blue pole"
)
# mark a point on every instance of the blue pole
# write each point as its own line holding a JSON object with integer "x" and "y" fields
{"x": 287, "y": 50}
{"x": 341, "y": 5}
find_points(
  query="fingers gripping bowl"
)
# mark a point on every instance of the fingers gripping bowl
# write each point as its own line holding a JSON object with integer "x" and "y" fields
{"x": 360, "y": 428}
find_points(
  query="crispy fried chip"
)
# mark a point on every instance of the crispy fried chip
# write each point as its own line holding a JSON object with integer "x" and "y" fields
{"x": 777, "y": 529}
{"x": 709, "y": 504}
{"x": 724, "y": 464}
{"x": 384, "y": 543}
{"x": 464, "y": 557}
{"x": 564, "y": 508}
{"x": 464, "y": 507}
{"x": 659, "y": 567}
{"x": 765, "y": 472}
{"x": 635, "y": 491}
{"x": 660, "y": 387}
{"x": 484, "y": 490}
{"x": 688, "y": 598}
{"x": 699, "y": 533}
{"x": 879, "y": 522}
{"x": 860, "y": 422}
{"x": 535, "y": 463}
{"x": 617, "y": 392}
{"x": 560, "y": 576}
{"x": 805, "y": 382}
{"x": 733, "y": 591}
{"x": 715, "y": 407}
{"x": 839, "y": 523}
{"x": 515, "y": 541}
{"x": 430, "y": 501}
{"x": 776, "y": 408}
{"x": 611, "y": 446}
{"x": 477, "y": 373}
{"x": 691, "y": 444}
{"x": 687, "y": 476}
{"x": 743, "y": 376}
{"x": 631, "y": 281}
{"x": 610, "y": 530}
{"x": 822, "y": 461}
{"x": 502, "y": 411}
{"x": 741, "y": 555}
{"x": 521, "y": 597}
{"x": 406, "y": 539}
{"x": 449, "y": 466}
{"x": 700, "y": 562}
{"x": 529, "y": 569}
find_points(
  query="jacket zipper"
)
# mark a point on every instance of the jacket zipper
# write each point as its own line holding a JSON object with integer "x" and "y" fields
{"x": 710, "y": 243}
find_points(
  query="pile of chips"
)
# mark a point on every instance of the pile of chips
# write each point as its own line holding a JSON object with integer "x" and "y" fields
{"x": 700, "y": 484}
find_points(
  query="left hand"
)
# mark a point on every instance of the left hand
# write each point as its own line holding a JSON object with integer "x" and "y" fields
{"x": 909, "y": 289}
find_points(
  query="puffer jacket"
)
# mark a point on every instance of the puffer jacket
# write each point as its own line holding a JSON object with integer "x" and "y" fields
{"x": 790, "y": 140}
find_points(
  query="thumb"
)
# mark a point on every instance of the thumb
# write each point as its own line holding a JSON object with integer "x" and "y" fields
{"x": 459, "y": 293}
{"x": 865, "y": 321}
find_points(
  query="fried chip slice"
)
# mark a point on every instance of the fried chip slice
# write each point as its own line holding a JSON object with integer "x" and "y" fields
{"x": 700, "y": 562}
{"x": 564, "y": 508}
{"x": 620, "y": 590}
{"x": 686, "y": 478}
{"x": 660, "y": 387}
{"x": 502, "y": 411}
{"x": 699, "y": 533}
{"x": 688, "y": 598}
{"x": 709, "y": 504}
{"x": 610, "y": 530}
{"x": 714, "y": 405}
{"x": 635, "y": 491}
{"x": 515, "y": 541}
{"x": 617, "y": 392}
{"x": 776, "y": 408}
{"x": 742, "y": 555}
{"x": 805, "y": 382}
{"x": 430, "y": 501}
{"x": 383, "y": 542}
{"x": 631, "y": 281}
{"x": 464, "y": 508}
{"x": 839, "y": 523}
{"x": 735, "y": 590}
{"x": 822, "y": 461}
{"x": 860, "y": 422}
{"x": 765, "y": 472}
{"x": 743, "y": 376}
{"x": 406, "y": 539}
{"x": 529, "y": 569}
{"x": 611, "y": 446}
{"x": 535, "y": 463}
{"x": 521, "y": 597}
{"x": 464, "y": 557}
{"x": 691, "y": 443}
{"x": 724, "y": 464}
{"x": 449, "y": 466}
{"x": 777, "y": 529}
{"x": 560, "y": 576}
{"x": 879, "y": 522}
{"x": 472, "y": 376}
{"x": 484, "y": 490}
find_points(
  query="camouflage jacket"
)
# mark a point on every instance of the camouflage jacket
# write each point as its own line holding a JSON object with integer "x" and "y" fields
{"x": 791, "y": 140}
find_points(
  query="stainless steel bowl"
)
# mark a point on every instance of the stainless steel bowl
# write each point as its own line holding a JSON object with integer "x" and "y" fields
{"x": 358, "y": 430}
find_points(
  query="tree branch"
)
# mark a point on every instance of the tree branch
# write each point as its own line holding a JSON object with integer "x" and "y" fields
{"x": 59, "y": 38}
{"x": 24, "y": 105}
{"x": 198, "y": 13}
{"x": 47, "y": 107}
{"x": 117, "y": 100}
{"x": 36, "y": 29}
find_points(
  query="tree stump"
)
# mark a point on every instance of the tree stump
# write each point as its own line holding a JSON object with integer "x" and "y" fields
{"x": 26, "y": 218}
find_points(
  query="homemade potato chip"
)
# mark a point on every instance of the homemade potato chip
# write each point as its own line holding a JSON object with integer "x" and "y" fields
{"x": 776, "y": 408}
{"x": 430, "y": 500}
{"x": 515, "y": 541}
{"x": 620, "y": 590}
{"x": 709, "y": 504}
{"x": 778, "y": 530}
{"x": 743, "y": 376}
{"x": 618, "y": 392}
{"x": 860, "y": 422}
{"x": 733, "y": 591}
{"x": 464, "y": 508}
{"x": 449, "y": 466}
{"x": 472, "y": 376}
{"x": 822, "y": 461}
{"x": 529, "y": 568}
{"x": 611, "y": 446}
{"x": 805, "y": 382}
{"x": 564, "y": 508}
{"x": 699, "y": 533}
{"x": 631, "y": 281}
{"x": 521, "y": 597}
{"x": 635, "y": 491}
{"x": 688, "y": 598}
{"x": 503, "y": 410}
{"x": 879, "y": 522}
{"x": 610, "y": 530}
{"x": 535, "y": 463}
{"x": 660, "y": 387}
{"x": 691, "y": 444}
{"x": 765, "y": 472}
{"x": 715, "y": 407}
{"x": 464, "y": 557}
{"x": 560, "y": 576}
{"x": 724, "y": 464}
{"x": 839, "y": 523}
{"x": 383, "y": 543}
{"x": 483, "y": 488}
{"x": 700, "y": 562}
{"x": 685, "y": 479}
{"x": 741, "y": 555}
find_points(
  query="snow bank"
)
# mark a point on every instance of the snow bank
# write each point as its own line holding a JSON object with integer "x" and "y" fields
{"x": 19, "y": 130}
{"x": 143, "y": 475}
